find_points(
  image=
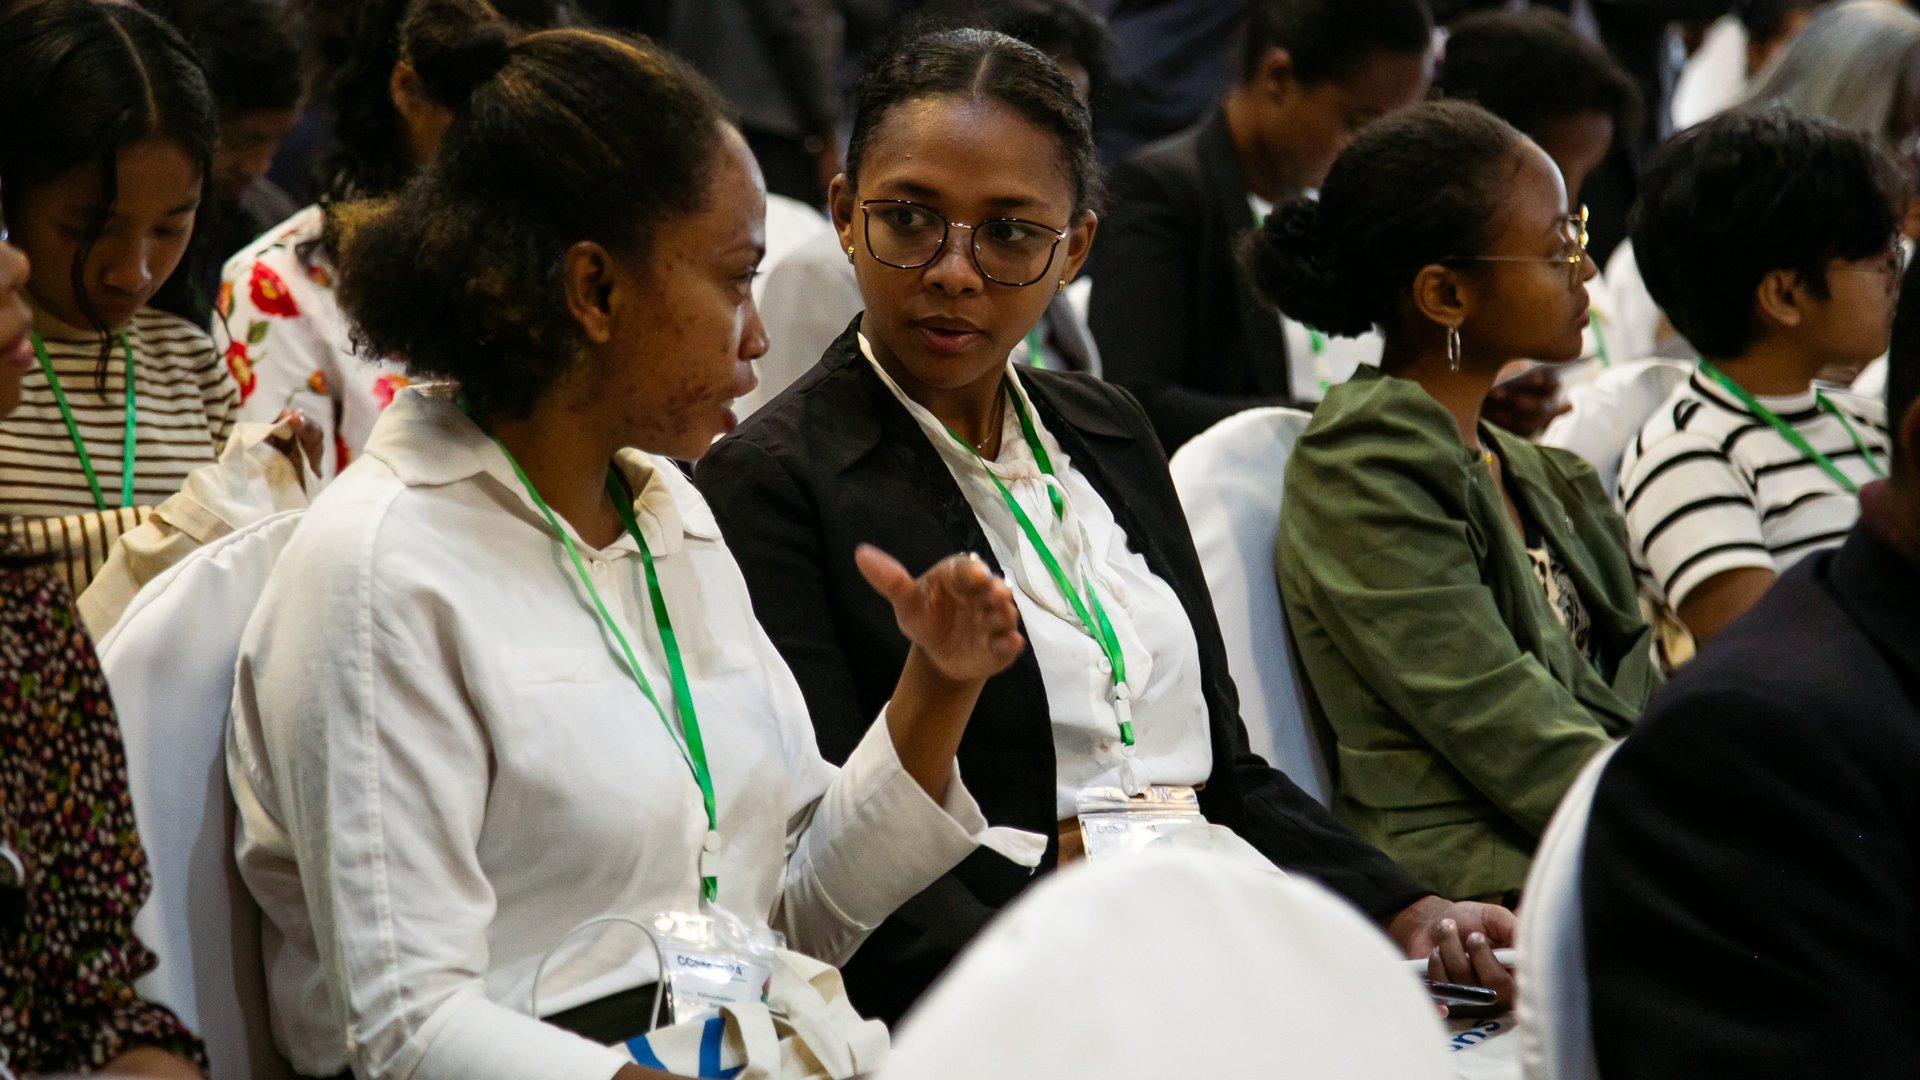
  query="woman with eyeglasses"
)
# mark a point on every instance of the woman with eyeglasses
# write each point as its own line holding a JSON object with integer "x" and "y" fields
{"x": 968, "y": 201}
{"x": 1461, "y": 598}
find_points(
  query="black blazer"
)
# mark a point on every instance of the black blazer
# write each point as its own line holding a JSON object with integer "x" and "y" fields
{"x": 835, "y": 461}
{"x": 1752, "y": 874}
{"x": 1177, "y": 320}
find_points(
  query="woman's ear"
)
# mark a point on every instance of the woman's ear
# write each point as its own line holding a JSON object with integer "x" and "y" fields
{"x": 840, "y": 206}
{"x": 1780, "y": 300}
{"x": 1274, "y": 74}
{"x": 1441, "y": 296}
{"x": 588, "y": 275}
{"x": 1079, "y": 244}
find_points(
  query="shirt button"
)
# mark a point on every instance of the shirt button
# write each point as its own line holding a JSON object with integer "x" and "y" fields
{"x": 600, "y": 567}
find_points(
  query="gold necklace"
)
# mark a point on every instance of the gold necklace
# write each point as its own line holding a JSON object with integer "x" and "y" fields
{"x": 999, "y": 421}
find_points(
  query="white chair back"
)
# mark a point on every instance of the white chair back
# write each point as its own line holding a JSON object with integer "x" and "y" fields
{"x": 1229, "y": 478}
{"x": 169, "y": 662}
{"x": 1170, "y": 963}
{"x": 1555, "y": 1027}
{"x": 1607, "y": 413}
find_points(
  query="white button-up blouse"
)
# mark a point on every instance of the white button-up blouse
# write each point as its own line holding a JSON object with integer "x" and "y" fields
{"x": 442, "y": 767}
{"x": 1171, "y": 735}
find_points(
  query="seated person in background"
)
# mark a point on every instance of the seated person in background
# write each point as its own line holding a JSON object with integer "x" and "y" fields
{"x": 1177, "y": 320}
{"x": 810, "y": 295}
{"x": 1532, "y": 69}
{"x": 916, "y": 433}
{"x": 72, "y": 874}
{"x": 106, "y": 142}
{"x": 453, "y": 742}
{"x": 1462, "y": 600}
{"x": 255, "y": 75}
{"x": 1750, "y": 864}
{"x": 286, "y": 340}
{"x": 1770, "y": 241}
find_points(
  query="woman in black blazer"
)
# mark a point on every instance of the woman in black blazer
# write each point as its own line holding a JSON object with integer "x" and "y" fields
{"x": 969, "y": 152}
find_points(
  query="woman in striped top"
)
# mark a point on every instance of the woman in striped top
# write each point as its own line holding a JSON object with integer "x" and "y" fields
{"x": 1769, "y": 239}
{"x": 104, "y": 150}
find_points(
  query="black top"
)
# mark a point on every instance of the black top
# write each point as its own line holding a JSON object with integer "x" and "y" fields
{"x": 836, "y": 461}
{"x": 1176, "y": 318}
{"x": 1752, "y": 873}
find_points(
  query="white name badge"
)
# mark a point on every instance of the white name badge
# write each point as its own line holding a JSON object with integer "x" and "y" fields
{"x": 1113, "y": 823}
{"x": 712, "y": 959}
{"x": 701, "y": 982}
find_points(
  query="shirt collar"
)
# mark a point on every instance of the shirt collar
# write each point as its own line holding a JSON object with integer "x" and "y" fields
{"x": 428, "y": 442}
{"x": 1781, "y": 405}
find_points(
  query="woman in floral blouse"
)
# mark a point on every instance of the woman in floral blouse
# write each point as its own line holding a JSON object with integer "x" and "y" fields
{"x": 72, "y": 874}
{"x": 286, "y": 342}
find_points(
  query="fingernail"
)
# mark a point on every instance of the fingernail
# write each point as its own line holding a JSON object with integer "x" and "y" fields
{"x": 1476, "y": 938}
{"x": 1447, "y": 927}
{"x": 1435, "y": 954}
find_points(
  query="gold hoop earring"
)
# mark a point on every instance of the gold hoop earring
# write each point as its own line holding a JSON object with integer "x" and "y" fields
{"x": 1060, "y": 287}
{"x": 1453, "y": 349}
{"x": 849, "y": 254}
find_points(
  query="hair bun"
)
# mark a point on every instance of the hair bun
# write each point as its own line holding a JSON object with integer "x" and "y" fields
{"x": 455, "y": 46}
{"x": 1295, "y": 260}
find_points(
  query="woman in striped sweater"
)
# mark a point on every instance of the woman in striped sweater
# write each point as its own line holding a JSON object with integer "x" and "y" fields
{"x": 104, "y": 150}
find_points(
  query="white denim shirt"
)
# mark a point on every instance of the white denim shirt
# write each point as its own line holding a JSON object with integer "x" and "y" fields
{"x": 1172, "y": 740}
{"x": 442, "y": 767}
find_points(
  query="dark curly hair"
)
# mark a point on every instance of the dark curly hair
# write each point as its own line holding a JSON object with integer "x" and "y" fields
{"x": 461, "y": 275}
{"x": 1332, "y": 39}
{"x": 1727, "y": 202}
{"x": 356, "y": 43}
{"x": 1415, "y": 188}
{"x": 986, "y": 65}
{"x": 79, "y": 82}
{"x": 1531, "y": 67}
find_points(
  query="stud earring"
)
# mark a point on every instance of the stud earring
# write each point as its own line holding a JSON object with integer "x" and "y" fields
{"x": 1453, "y": 349}
{"x": 849, "y": 254}
{"x": 1060, "y": 287}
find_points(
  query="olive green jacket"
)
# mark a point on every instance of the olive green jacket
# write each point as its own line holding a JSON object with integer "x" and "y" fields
{"x": 1461, "y": 709}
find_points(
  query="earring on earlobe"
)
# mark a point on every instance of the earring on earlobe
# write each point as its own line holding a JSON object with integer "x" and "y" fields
{"x": 1060, "y": 287}
{"x": 849, "y": 254}
{"x": 1453, "y": 349}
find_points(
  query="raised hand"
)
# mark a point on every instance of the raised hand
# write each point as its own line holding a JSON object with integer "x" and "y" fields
{"x": 957, "y": 614}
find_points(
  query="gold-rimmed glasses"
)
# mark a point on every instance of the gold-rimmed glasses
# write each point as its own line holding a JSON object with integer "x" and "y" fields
{"x": 1888, "y": 264}
{"x": 1007, "y": 251}
{"x": 1573, "y": 229}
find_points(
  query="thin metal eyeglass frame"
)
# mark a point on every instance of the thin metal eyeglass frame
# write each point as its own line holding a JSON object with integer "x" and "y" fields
{"x": 1894, "y": 268}
{"x": 1571, "y": 259}
{"x": 946, "y": 233}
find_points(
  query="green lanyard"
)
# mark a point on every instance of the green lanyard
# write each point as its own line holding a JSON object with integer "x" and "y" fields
{"x": 1798, "y": 442}
{"x": 1317, "y": 345}
{"x": 73, "y": 429}
{"x": 1599, "y": 339}
{"x": 1095, "y": 620}
{"x": 1035, "y": 358}
{"x": 693, "y": 751}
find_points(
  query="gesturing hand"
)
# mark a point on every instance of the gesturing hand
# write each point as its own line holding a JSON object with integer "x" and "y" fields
{"x": 958, "y": 614}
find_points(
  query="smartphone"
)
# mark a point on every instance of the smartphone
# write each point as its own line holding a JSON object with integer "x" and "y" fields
{"x": 1463, "y": 1000}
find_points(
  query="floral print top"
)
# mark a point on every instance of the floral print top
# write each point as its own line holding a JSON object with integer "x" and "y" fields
{"x": 287, "y": 343}
{"x": 68, "y": 957}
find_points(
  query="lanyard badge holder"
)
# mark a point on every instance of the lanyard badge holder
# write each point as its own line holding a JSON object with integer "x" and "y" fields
{"x": 1115, "y": 823}
{"x": 1085, "y": 598}
{"x": 709, "y": 958}
{"x": 707, "y": 961}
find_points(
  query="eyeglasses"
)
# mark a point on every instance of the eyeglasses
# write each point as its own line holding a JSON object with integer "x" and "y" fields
{"x": 1006, "y": 251}
{"x": 1889, "y": 263}
{"x": 1573, "y": 230}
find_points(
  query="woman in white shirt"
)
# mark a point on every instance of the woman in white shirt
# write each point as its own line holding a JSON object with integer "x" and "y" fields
{"x": 505, "y": 678}
{"x": 967, "y": 205}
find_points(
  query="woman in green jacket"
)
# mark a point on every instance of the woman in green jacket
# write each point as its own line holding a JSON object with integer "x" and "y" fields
{"x": 1461, "y": 599}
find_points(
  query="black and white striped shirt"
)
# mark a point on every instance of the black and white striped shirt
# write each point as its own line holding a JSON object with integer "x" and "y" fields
{"x": 1708, "y": 486}
{"x": 185, "y": 401}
